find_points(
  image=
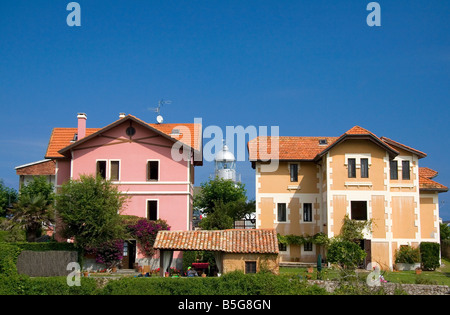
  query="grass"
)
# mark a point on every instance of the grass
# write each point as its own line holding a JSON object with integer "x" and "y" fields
{"x": 440, "y": 276}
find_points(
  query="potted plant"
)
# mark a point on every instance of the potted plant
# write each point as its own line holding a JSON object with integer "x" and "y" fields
{"x": 407, "y": 258}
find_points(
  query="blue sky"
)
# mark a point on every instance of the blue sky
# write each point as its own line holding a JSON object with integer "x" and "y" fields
{"x": 313, "y": 68}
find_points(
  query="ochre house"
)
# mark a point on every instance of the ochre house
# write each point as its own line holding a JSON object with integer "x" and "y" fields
{"x": 320, "y": 180}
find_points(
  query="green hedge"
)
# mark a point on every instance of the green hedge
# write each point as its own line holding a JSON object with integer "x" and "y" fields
{"x": 24, "y": 285}
{"x": 8, "y": 258}
{"x": 234, "y": 283}
{"x": 430, "y": 255}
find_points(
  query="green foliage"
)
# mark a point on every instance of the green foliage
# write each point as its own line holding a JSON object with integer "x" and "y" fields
{"x": 8, "y": 258}
{"x": 39, "y": 186}
{"x": 407, "y": 255}
{"x": 24, "y": 285}
{"x": 90, "y": 209}
{"x": 219, "y": 219}
{"x": 430, "y": 255}
{"x": 233, "y": 283}
{"x": 444, "y": 232}
{"x": 32, "y": 212}
{"x": 218, "y": 189}
{"x": 348, "y": 255}
{"x": 352, "y": 230}
{"x": 320, "y": 239}
{"x": 7, "y": 197}
{"x": 223, "y": 202}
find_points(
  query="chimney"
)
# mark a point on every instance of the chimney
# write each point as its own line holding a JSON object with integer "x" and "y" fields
{"x": 81, "y": 125}
{"x": 122, "y": 115}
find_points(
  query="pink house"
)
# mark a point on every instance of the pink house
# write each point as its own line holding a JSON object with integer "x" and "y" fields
{"x": 151, "y": 163}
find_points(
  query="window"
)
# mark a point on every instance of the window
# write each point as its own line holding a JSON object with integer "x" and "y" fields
{"x": 101, "y": 169}
{"x": 282, "y": 247}
{"x": 406, "y": 172}
{"x": 359, "y": 210}
{"x": 364, "y": 168}
{"x": 394, "y": 169}
{"x": 307, "y": 212}
{"x": 114, "y": 169}
{"x": 153, "y": 170}
{"x": 281, "y": 212}
{"x": 294, "y": 172}
{"x": 152, "y": 210}
{"x": 250, "y": 267}
{"x": 308, "y": 247}
{"x": 351, "y": 168}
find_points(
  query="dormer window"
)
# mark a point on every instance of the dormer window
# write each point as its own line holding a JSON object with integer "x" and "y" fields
{"x": 323, "y": 142}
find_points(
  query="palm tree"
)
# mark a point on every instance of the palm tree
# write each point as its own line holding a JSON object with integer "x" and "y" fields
{"x": 32, "y": 212}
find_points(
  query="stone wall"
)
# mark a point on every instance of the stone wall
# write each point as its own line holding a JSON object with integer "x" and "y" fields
{"x": 391, "y": 288}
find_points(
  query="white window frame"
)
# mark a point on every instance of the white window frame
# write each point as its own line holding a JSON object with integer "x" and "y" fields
{"x": 109, "y": 169}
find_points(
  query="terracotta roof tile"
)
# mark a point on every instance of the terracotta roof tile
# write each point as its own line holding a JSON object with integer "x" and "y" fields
{"x": 309, "y": 148}
{"x": 289, "y": 148}
{"x": 429, "y": 184}
{"x": 61, "y": 138}
{"x": 427, "y": 172}
{"x": 229, "y": 241}
{"x": 404, "y": 147}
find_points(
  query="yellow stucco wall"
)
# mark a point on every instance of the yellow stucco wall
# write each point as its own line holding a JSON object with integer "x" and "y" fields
{"x": 403, "y": 217}
{"x": 427, "y": 217}
{"x": 236, "y": 261}
{"x": 339, "y": 174}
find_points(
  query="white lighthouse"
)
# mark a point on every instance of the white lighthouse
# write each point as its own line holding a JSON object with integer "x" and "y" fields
{"x": 225, "y": 164}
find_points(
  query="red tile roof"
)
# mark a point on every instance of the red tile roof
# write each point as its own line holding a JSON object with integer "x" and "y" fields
{"x": 62, "y": 137}
{"x": 404, "y": 147}
{"x": 289, "y": 148}
{"x": 262, "y": 241}
{"x": 427, "y": 172}
{"x": 306, "y": 148}
{"x": 425, "y": 180}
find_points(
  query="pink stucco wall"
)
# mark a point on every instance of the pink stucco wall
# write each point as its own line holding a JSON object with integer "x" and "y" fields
{"x": 173, "y": 190}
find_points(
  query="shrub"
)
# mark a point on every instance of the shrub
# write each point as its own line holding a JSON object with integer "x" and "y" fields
{"x": 8, "y": 258}
{"x": 145, "y": 232}
{"x": 430, "y": 255}
{"x": 24, "y": 285}
{"x": 346, "y": 254}
{"x": 233, "y": 283}
{"x": 407, "y": 255}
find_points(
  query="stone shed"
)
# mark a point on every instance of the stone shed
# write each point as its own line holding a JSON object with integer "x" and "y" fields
{"x": 247, "y": 250}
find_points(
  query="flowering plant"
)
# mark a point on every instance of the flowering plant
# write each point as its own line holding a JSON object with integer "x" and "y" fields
{"x": 110, "y": 253}
{"x": 145, "y": 232}
{"x": 173, "y": 271}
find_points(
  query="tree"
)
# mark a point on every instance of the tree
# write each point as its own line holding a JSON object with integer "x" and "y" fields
{"x": 90, "y": 210}
{"x": 34, "y": 208}
{"x": 32, "y": 212}
{"x": 444, "y": 232}
{"x": 39, "y": 185}
{"x": 224, "y": 202}
{"x": 8, "y": 196}
{"x": 348, "y": 255}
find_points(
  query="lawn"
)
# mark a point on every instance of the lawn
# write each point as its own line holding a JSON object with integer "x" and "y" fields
{"x": 441, "y": 276}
